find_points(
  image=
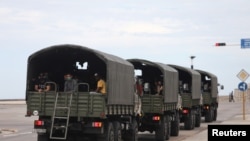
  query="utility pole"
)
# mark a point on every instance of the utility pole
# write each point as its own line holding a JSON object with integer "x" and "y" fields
{"x": 192, "y": 57}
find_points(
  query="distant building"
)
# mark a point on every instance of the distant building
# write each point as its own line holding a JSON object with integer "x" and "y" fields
{"x": 238, "y": 95}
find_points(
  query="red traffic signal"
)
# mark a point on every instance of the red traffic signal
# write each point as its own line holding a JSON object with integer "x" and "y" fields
{"x": 220, "y": 44}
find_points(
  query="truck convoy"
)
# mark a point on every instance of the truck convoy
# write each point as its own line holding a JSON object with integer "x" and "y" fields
{"x": 131, "y": 103}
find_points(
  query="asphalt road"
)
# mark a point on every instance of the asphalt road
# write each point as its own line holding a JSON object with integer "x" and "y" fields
{"x": 14, "y": 126}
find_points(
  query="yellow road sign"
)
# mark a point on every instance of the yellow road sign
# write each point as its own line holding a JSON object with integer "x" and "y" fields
{"x": 243, "y": 75}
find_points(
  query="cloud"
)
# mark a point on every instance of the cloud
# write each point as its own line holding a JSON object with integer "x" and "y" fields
{"x": 17, "y": 16}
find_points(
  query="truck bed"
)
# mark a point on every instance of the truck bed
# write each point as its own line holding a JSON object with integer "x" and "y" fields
{"x": 83, "y": 104}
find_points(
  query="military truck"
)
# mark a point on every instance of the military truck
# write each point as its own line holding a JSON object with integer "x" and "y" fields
{"x": 159, "y": 112}
{"x": 80, "y": 114}
{"x": 190, "y": 92}
{"x": 209, "y": 87}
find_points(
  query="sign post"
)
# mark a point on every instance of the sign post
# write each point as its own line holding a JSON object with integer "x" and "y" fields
{"x": 243, "y": 87}
{"x": 243, "y": 75}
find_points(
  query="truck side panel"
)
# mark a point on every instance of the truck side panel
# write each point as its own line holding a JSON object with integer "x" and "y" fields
{"x": 83, "y": 104}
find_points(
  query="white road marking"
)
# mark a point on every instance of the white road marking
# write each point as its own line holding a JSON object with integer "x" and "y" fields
{"x": 17, "y": 134}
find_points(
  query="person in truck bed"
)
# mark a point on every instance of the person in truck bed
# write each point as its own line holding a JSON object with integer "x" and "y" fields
{"x": 70, "y": 84}
{"x": 101, "y": 84}
{"x": 41, "y": 85}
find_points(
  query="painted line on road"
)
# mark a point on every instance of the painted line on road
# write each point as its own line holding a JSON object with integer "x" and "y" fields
{"x": 11, "y": 135}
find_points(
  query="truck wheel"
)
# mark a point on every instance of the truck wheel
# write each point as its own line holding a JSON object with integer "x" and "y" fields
{"x": 215, "y": 115}
{"x": 43, "y": 137}
{"x": 175, "y": 125}
{"x": 198, "y": 119}
{"x": 117, "y": 131}
{"x": 208, "y": 115}
{"x": 194, "y": 119}
{"x": 189, "y": 121}
{"x": 132, "y": 133}
{"x": 162, "y": 133}
{"x": 108, "y": 133}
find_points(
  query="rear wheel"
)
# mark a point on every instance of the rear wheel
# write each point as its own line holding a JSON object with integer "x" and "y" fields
{"x": 162, "y": 133}
{"x": 208, "y": 115}
{"x": 189, "y": 121}
{"x": 43, "y": 137}
{"x": 117, "y": 131}
{"x": 198, "y": 119}
{"x": 175, "y": 125}
{"x": 215, "y": 115}
{"x": 108, "y": 133}
{"x": 132, "y": 133}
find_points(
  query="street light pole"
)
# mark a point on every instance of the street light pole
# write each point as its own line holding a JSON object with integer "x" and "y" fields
{"x": 192, "y": 57}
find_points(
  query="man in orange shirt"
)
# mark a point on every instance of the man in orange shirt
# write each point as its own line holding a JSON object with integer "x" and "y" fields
{"x": 101, "y": 84}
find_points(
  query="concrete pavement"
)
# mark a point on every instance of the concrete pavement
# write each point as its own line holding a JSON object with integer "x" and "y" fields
{"x": 10, "y": 102}
{"x": 201, "y": 136}
{"x": 236, "y": 120}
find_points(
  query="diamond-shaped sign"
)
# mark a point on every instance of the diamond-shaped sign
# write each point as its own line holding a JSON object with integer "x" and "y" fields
{"x": 243, "y": 75}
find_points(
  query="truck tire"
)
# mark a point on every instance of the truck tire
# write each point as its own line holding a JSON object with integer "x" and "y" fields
{"x": 198, "y": 119}
{"x": 208, "y": 115}
{"x": 132, "y": 133}
{"x": 175, "y": 125}
{"x": 117, "y": 131}
{"x": 43, "y": 137}
{"x": 215, "y": 115}
{"x": 162, "y": 133}
{"x": 189, "y": 121}
{"x": 108, "y": 133}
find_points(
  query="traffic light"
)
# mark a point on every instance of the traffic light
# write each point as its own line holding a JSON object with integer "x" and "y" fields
{"x": 220, "y": 44}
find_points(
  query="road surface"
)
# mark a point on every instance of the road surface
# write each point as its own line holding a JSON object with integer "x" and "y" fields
{"x": 14, "y": 126}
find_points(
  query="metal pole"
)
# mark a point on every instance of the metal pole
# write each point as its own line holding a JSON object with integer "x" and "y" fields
{"x": 192, "y": 57}
{"x": 244, "y": 100}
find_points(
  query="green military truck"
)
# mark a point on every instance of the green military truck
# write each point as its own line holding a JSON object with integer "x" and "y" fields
{"x": 159, "y": 112}
{"x": 209, "y": 95}
{"x": 80, "y": 114}
{"x": 190, "y": 92}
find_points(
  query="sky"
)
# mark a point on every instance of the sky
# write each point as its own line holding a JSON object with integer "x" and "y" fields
{"x": 166, "y": 31}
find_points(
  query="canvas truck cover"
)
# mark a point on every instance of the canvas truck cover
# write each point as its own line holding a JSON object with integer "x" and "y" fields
{"x": 214, "y": 82}
{"x": 195, "y": 79}
{"x": 169, "y": 74}
{"x": 58, "y": 59}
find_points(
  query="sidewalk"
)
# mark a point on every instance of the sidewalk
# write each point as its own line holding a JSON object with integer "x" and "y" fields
{"x": 10, "y": 102}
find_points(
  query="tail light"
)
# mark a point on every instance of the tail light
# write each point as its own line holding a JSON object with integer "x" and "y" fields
{"x": 185, "y": 111}
{"x": 156, "y": 118}
{"x": 38, "y": 123}
{"x": 97, "y": 124}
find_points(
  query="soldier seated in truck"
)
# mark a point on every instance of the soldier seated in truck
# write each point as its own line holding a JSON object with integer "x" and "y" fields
{"x": 41, "y": 84}
{"x": 101, "y": 85}
{"x": 70, "y": 84}
{"x": 158, "y": 87}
